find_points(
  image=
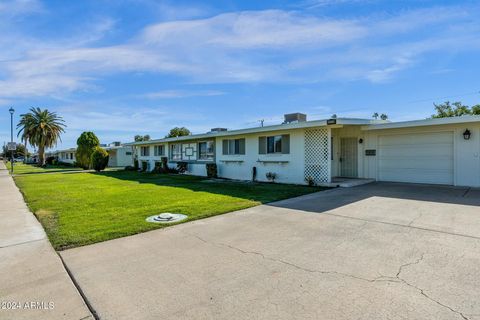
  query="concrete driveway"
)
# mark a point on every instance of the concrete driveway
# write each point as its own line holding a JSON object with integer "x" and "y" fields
{"x": 379, "y": 251}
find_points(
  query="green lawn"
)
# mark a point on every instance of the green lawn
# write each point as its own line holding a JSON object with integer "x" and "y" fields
{"x": 20, "y": 168}
{"x": 83, "y": 208}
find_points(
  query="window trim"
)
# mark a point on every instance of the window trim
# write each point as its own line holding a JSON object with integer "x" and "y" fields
{"x": 275, "y": 144}
{"x": 158, "y": 147}
{"x": 212, "y": 153}
{"x": 179, "y": 151}
{"x": 145, "y": 148}
{"x": 232, "y": 144}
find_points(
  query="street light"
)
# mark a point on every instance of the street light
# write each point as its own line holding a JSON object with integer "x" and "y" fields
{"x": 11, "y": 110}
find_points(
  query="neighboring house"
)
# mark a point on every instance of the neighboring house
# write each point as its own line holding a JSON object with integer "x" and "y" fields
{"x": 65, "y": 156}
{"x": 119, "y": 155}
{"x": 435, "y": 151}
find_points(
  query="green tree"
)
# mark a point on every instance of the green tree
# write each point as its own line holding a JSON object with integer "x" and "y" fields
{"x": 375, "y": 115}
{"x": 142, "y": 138}
{"x": 86, "y": 145}
{"x": 20, "y": 151}
{"x": 447, "y": 109}
{"x": 42, "y": 129}
{"x": 99, "y": 159}
{"x": 178, "y": 132}
{"x": 476, "y": 110}
{"x": 383, "y": 116}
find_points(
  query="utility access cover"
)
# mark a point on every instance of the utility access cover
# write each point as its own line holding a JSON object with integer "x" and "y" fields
{"x": 166, "y": 217}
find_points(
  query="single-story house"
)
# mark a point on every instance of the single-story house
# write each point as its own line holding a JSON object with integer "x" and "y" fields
{"x": 119, "y": 155}
{"x": 433, "y": 151}
{"x": 65, "y": 156}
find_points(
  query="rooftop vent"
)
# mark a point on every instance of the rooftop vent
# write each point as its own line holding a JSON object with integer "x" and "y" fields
{"x": 218, "y": 129}
{"x": 295, "y": 117}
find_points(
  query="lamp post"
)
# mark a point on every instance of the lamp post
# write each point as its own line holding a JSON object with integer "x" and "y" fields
{"x": 11, "y": 110}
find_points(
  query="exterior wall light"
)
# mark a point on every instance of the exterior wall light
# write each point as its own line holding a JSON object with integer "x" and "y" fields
{"x": 467, "y": 134}
{"x": 360, "y": 141}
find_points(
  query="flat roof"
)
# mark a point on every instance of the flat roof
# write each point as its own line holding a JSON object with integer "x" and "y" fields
{"x": 279, "y": 127}
{"x": 424, "y": 122}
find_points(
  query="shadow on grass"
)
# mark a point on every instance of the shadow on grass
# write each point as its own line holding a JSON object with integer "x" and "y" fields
{"x": 256, "y": 191}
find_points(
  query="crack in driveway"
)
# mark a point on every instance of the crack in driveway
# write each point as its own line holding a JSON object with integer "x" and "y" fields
{"x": 382, "y": 278}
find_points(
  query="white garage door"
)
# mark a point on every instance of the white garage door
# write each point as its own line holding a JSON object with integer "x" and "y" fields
{"x": 419, "y": 158}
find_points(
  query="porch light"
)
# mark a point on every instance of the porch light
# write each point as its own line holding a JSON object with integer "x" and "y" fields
{"x": 467, "y": 134}
{"x": 360, "y": 141}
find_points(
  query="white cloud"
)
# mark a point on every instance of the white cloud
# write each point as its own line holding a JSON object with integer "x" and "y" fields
{"x": 250, "y": 46}
{"x": 269, "y": 29}
{"x": 20, "y": 7}
{"x": 172, "y": 94}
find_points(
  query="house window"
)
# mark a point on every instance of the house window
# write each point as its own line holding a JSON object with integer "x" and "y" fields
{"x": 145, "y": 151}
{"x": 176, "y": 151}
{"x": 274, "y": 144}
{"x": 158, "y": 151}
{"x": 128, "y": 153}
{"x": 233, "y": 146}
{"x": 205, "y": 150}
{"x": 71, "y": 156}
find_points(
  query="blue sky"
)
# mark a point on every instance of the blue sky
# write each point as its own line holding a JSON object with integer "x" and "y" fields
{"x": 121, "y": 68}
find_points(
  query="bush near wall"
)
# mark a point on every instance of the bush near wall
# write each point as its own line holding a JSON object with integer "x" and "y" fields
{"x": 182, "y": 166}
{"x": 212, "y": 170}
{"x": 99, "y": 159}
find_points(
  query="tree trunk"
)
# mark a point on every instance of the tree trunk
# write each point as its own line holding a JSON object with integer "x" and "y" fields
{"x": 25, "y": 157}
{"x": 41, "y": 155}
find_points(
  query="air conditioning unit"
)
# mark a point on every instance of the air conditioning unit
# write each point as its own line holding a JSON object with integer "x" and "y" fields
{"x": 295, "y": 117}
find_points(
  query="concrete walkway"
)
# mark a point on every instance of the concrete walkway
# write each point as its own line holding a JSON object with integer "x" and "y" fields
{"x": 33, "y": 282}
{"x": 378, "y": 251}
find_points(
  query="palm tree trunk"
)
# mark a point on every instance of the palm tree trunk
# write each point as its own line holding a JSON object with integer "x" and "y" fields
{"x": 25, "y": 157}
{"x": 41, "y": 155}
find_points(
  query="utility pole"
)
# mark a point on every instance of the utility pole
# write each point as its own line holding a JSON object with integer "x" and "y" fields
{"x": 11, "y": 110}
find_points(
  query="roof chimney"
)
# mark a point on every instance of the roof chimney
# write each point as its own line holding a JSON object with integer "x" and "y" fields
{"x": 295, "y": 117}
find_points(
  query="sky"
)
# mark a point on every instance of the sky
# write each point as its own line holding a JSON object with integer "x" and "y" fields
{"x": 121, "y": 68}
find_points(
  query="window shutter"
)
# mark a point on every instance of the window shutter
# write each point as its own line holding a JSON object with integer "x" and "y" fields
{"x": 262, "y": 145}
{"x": 241, "y": 146}
{"x": 286, "y": 144}
{"x": 225, "y": 147}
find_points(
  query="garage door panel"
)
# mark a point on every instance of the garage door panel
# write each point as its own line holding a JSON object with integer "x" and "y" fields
{"x": 409, "y": 175}
{"x": 426, "y": 151}
{"x": 420, "y": 158}
{"x": 421, "y": 163}
{"x": 416, "y": 139}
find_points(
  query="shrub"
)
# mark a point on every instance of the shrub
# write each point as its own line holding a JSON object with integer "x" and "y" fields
{"x": 159, "y": 168}
{"x": 86, "y": 145}
{"x": 310, "y": 181}
{"x": 99, "y": 159}
{"x": 271, "y": 176}
{"x": 211, "y": 170}
{"x": 136, "y": 165}
{"x": 49, "y": 160}
{"x": 182, "y": 166}
{"x": 165, "y": 163}
{"x": 130, "y": 168}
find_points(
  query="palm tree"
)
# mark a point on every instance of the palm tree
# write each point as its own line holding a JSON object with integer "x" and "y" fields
{"x": 42, "y": 129}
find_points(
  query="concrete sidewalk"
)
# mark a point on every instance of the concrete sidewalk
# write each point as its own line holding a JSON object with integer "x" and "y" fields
{"x": 33, "y": 282}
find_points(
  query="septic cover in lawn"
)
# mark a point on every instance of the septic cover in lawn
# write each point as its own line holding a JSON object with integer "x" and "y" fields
{"x": 166, "y": 217}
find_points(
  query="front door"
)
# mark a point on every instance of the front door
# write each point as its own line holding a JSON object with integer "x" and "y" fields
{"x": 348, "y": 157}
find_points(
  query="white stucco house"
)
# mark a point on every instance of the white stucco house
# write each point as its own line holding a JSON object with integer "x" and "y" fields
{"x": 119, "y": 155}
{"x": 433, "y": 151}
